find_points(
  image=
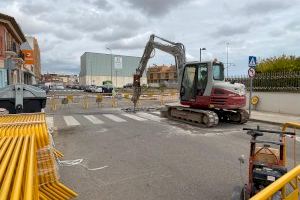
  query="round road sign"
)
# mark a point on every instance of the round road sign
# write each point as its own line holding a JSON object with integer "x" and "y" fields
{"x": 254, "y": 100}
{"x": 251, "y": 72}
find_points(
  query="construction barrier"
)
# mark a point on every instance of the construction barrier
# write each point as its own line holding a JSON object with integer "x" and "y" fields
{"x": 18, "y": 168}
{"x": 46, "y": 171}
{"x": 109, "y": 100}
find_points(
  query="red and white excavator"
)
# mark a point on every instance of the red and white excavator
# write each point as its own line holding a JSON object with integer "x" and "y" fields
{"x": 205, "y": 96}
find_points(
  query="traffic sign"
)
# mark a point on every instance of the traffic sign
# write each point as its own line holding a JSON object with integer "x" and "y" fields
{"x": 252, "y": 61}
{"x": 251, "y": 72}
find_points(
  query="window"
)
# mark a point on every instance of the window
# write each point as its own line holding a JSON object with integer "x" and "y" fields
{"x": 218, "y": 72}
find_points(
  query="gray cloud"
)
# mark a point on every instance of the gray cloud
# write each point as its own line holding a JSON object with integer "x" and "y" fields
{"x": 155, "y": 7}
{"x": 67, "y": 28}
{"x": 102, "y": 4}
{"x": 30, "y": 7}
{"x": 267, "y": 6}
{"x": 231, "y": 30}
{"x": 136, "y": 42}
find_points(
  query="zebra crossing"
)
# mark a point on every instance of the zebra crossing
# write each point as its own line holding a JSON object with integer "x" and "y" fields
{"x": 98, "y": 119}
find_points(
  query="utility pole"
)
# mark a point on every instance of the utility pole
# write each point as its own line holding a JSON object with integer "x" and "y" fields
{"x": 227, "y": 43}
{"x": 201, "y": 49}
{"x": 111, "y": 58}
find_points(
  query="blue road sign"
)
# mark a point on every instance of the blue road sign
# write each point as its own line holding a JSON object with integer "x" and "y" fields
{"x": 252, "y": 61}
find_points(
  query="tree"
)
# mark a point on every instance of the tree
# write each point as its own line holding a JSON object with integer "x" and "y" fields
{"x": 279, "y": 64}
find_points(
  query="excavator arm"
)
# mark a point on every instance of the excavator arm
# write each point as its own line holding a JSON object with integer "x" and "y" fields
{"x": 175, "y": 49}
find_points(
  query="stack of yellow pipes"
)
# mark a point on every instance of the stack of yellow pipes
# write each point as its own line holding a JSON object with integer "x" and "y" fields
{"x": 35, "y": 125}
{"x": 18, "y": 165}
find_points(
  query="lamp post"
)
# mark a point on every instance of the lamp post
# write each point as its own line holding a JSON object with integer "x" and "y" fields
{"x": 110, "y": 63}
{"x": 227, "y": 44}
{"x": 201, "y": 49}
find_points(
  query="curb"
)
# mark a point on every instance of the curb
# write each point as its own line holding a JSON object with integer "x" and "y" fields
{"x": 265, "y": 121}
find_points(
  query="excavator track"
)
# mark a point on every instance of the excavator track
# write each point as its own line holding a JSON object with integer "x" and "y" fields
{"x": 192, "y": 116}
{"x": 239, "y": 116}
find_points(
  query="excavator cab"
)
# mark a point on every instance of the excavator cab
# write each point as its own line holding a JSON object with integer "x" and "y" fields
{"x": 198, "y": 80}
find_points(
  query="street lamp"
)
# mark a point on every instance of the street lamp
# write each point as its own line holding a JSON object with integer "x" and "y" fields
{"x": 110, "y": 63}
{"x": 227, "y": 44}
{"x": 201, "y": 49}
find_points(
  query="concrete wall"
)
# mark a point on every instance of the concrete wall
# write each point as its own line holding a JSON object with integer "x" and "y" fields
{"x": 278, "y": 102}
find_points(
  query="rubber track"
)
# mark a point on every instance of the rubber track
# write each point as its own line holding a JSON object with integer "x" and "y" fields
{"x": 213, "y": 118}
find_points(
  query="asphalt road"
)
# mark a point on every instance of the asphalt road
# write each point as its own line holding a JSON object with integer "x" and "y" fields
{"x": 146, "y": 157}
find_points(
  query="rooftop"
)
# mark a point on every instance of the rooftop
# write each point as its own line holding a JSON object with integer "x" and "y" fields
{"x": 13, "y": 27}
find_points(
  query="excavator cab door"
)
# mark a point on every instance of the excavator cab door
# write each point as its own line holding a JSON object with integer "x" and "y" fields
{"x": 194, "y": 81}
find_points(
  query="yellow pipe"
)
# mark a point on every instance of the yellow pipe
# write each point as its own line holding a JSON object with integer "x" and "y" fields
{"x": 50, "y": 193}
{"x": 67, "y": 189}
{"x": 16, "y": 190}
{"x": 57, "y": 190}
{"x": 6, "y": 158}
{"x": 277, "y": 185}
{"x": 2, "y": 141}
{"x": 4, "y": 148}
{"x": 47, "y": 194}
{"x": 30, "y": 170}
{"x": 9, "y": 174}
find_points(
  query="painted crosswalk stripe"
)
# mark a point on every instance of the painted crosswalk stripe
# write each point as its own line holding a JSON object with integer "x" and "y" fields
{"x": 114, "y": 118}
{"x": 149, "y": 116}
{"x": 50, "y": 122}
{"x": 71, "y": 121}
{"x": 134, "y": 117}
{"x": 156, "y": 112}
{"x": 93, "y": 119}
{"x": 298, "y": 139}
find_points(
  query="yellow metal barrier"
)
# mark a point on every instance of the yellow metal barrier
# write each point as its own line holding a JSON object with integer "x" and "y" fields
{"x": 31, "y": 125}
{"x": 17, "y": 168}
{"x": 289, "y": 179}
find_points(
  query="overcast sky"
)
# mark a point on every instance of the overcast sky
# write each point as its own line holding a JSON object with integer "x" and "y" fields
{"x": 65, "y": 29}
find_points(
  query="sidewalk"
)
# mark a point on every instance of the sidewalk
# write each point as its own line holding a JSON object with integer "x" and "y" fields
{"x": 273, "y": 118}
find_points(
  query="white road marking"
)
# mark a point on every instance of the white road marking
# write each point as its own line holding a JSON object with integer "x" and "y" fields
{"x": 114, "y": 118}
{"x": 150, "y": 116}
{"x": 50, "y": 122}
{"x": 93, "y": 119}
{"x": 134, "y": 117}
{"x": 156, "y": 112}
{"x": 298, "y": 139}
{"x": 71, "y": 121}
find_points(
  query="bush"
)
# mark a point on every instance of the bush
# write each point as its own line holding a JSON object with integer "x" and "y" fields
{"x": 279, "y": 64}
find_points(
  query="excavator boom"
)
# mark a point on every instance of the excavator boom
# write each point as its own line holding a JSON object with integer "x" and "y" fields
{"x": 175, "y": 49}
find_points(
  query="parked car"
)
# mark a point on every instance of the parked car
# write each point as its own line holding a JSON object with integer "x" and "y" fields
{"x": 128, "y": 85}
{"x": 98, "y": 89}
{"x": 107, "y": 88}
{"x": 90, "y": 88}
{"x": 58, "y": 87}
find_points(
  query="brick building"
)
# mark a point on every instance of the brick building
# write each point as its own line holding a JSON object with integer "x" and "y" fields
{"x": 11, "y": 58}
{"x": 163, "y": 74}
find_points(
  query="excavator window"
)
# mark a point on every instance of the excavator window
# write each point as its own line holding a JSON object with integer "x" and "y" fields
{"x": 202, "y": 79}
{"x": 188, "y": 83}
{"x": 218, "y": 72}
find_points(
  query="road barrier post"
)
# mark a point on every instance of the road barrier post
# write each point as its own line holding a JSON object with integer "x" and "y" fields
{"x": 99, "y": 100}
{"x": 85, "y": 103}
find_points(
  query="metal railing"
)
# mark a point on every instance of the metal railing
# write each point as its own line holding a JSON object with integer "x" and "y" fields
{"x": 271, "y": 82}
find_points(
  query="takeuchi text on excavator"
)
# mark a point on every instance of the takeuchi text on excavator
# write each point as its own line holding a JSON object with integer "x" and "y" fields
{"x": 205, "y": 96}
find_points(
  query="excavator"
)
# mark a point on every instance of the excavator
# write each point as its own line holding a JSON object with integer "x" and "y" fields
{"x": 205, "y": 97}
